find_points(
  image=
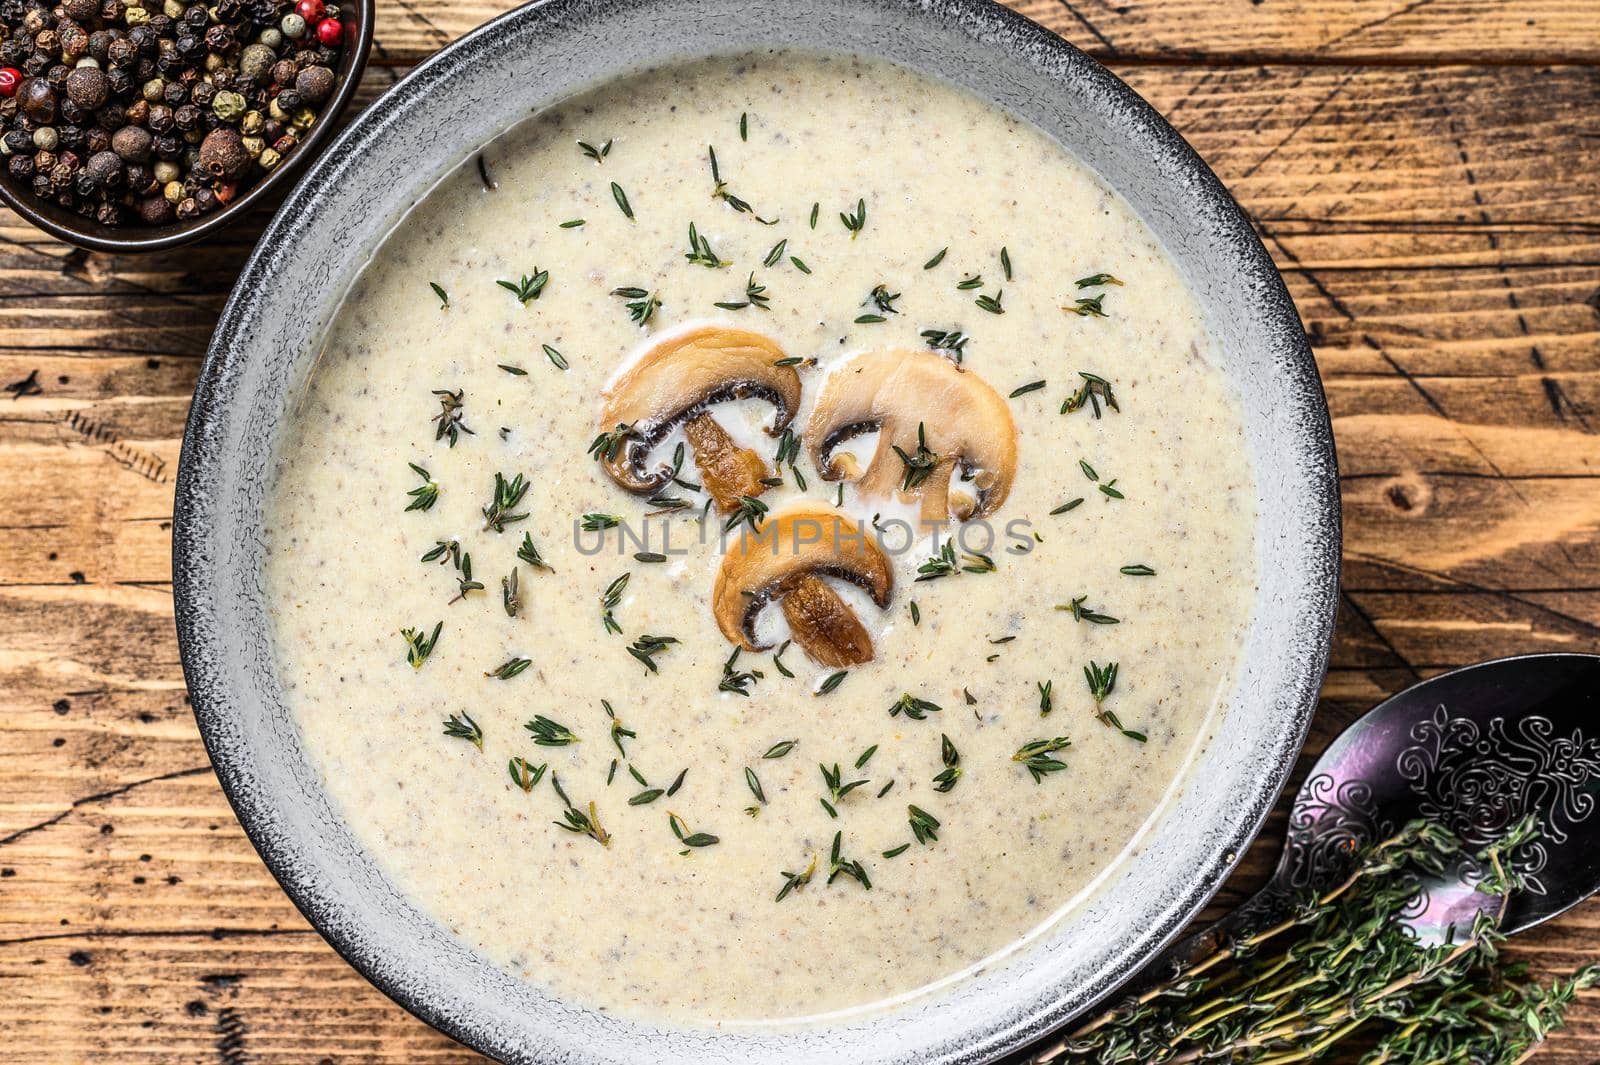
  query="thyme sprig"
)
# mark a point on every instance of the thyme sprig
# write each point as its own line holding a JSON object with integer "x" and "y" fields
{"x": 507, "y": 497}
{"x": 1083, "y": 613}
{"x": 641, "y": 303}
{"x": 754, "y": 296}
{"x": 946, "y": 780}
{"x": 945, "y": 564}
{"x": 462, "y": 727}
{"x": 1094, "y": 391}
{"x": 680, "y": 828}
{"x": 610, "y": 599}
{"x": 919, "y": 466}
{"x": 793, "y": 882}
{"x": 510, "y": 668}
{"x": 577, "y": 821}
{"x": 855, "y": 221}
{"x": 646, "y": 647}
{"x": 525, "y": 774}
{"x": 924, "y": 826}
{"x": 1102, "y": 681}
{"x": 530, "y": 554}
{"x": 913, "y": 707}
{"x": 720, "y": 191}
{"x": 1038, "y": 756}
{"x": 424, "y": 496}
{"x": 448, "y": 422}
{"x": 738, "y": 682}
{"x": 701, "y": 253}
{"x": 1343, "y": 967}
{"x": 418, "y": 646}
{"x": 838, "y": 865}
{"x": 951, "y": 340}
{"x": 548, "y": 733}
{"x": 528, "y": 287}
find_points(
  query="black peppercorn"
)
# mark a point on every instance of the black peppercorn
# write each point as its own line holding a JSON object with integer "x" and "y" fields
{"x": 19, "y": 140}
{"x": 112, "y": 117}
{"x": 121, "y": 80}
{"x": 21, "y": 167}
{"x": 12, "y": 51}
{"x": 175, "y": 93}
{"x": 112, "y": 10}
{"x": 169, "y": 147}
{"x": 36, "y": 63}
{"x": 155, "y": 211}
{"x": 284, "y": 71}
{"x": 107, "y": 214}
{"x": 141, "y": 178}
{"x": 81, "y": 10}
{"x": 71, "y": 136}
{"x": 223, "y": 155}
{"x": 87, "y": 87}
{"x": 289, "y": 100}
{"x": 188, "y": 209}
{"x": 160, "y": 118}
{"x": 96, "y": 139}
{"x": 206, "y": 200}
{"x": 48, "y": 42}
{"x": 37, "y": 100}
{"x": 132, "y": 143}
{"x": 104, "y": 169}
{"x": 137, "y": 112}
{"x": 201, "y": 93}
{"x": 314, "y": 84}
{"x": 219, "y": 38}
{"x": 187, "y": 117}
{"x": 71, "y": 113}
{"x": 56, "y": 77}
{"x": 43, "y": 160}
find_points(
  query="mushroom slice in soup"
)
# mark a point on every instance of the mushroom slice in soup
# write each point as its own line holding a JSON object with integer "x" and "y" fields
{"x": 931, "y": 416}
{"x": 675, "y": 383}
{"x": 785, "y": 560}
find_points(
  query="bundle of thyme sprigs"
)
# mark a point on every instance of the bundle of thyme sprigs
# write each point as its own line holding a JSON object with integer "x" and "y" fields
{"x": 1343, "y": 971}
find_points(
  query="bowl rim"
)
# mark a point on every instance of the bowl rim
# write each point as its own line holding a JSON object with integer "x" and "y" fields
{"x": 997, "y": 26}
{"x": 90, "y": 235}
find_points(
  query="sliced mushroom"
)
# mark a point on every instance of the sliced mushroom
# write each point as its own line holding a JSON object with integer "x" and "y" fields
{"x": 937, "y": 414}
{"x": 674, "y": 383}
{"x": 786, "y": 560}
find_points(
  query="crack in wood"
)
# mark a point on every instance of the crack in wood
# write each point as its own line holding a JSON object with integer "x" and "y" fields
{"x": 88, "y": 800}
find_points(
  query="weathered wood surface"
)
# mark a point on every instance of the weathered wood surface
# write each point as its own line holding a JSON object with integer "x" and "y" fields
{"x": 1426, "y": 172}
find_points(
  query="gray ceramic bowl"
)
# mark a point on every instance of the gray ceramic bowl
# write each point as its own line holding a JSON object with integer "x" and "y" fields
{"x": 464, "y": 96}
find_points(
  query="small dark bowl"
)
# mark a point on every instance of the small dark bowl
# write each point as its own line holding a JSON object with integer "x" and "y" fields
{"x": 357, "y": 16}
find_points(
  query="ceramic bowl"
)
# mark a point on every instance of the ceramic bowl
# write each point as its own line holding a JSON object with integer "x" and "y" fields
{"x": 428, "y": 123}
{"x": 131, "y": 237}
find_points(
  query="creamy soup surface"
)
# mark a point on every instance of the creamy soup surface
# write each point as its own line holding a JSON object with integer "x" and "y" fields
{"x": 657, "y": 922}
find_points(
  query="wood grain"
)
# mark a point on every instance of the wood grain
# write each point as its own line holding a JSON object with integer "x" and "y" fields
{"x": 1425, "y": 173}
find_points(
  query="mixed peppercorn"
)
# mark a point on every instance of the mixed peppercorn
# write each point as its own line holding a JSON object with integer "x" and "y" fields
{"x": 161, "y": 110}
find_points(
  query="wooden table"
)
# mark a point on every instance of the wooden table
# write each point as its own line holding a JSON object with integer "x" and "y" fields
{"x": 1425, "y": 172}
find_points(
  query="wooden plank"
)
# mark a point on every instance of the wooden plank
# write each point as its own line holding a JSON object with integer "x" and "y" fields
{"x": 1386, "y": 31}
{"x": 1437, "y": 227}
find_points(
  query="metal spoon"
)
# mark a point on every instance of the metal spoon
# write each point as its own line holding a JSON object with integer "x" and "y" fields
{"x": 1475, "y": 750}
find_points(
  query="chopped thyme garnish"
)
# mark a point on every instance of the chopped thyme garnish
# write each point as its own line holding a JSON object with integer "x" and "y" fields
{"x": 885, "y": 789}
{"x": 622, "y": 202}
{"x": 855, "y": 221}
{"x": 919, "y": 466}
{"x": 700, "y": 252}
{"x": 953, "y": 341}
{"x": 840, "y": 866}
{"x": 1088, "y": 470}
{"x": 507, "y": 495}
{"x": 776, "y": 254}
{"x": 548, "y": 733}
{"x": 896, "y": 852}
{"x": 578, "y": 822}
{"x": 525, "y": 774}
{"x": 646, "y": 797}
{"x": 1102, "y": 682}
{"x": 751, "y": 511}
{"x": 795, "y": 881}
{"x": 737, "y": 682}
{"x": 837, "y": 788}
{"x": 924, "y": 826}
{"x": 530, "y": 554}
{"x": 514, "y": 371}
{"x": 426, "y": 495}
{"x": 677, "y": 782}
{"x": 636, "y": 775}
{"x": 1111, "y": 491}
{"x": 1071, "y": 504}
{"x": 816, "y": 212}
{"x": 866, "y": 756}
{"x": 1137, "y": 571}
{"x": 464, "y": 581}
{"x": 914, "y": 708}
{"x": 1086, "y": 307}
{"x": 1097, "y": 281}
{"x": 609, "y": 600}
{"x": 464, "y": 728}
{"x": 744, "y": 126}
{"x": 967, "y": 284}
{"x": 1037, "y": 756}
{"x": 642, "y": 305}
{"x": 444, "y": 297}
{"x": 575, "y": 223}
{"x": 645, "y": 649}
{"x": 754, "y": 296}
{"x": 781, "y": 748}
{"x": 798, "y": 265}
{"x": 528, "y": 288}
{"x": 611, "y": 772}
{"x": 1022, "y": 390}
{"x": 951, "y": 758}
{"x": 991, "y": 304}
{"x": 916, "y": 613}
{"x": 754, "y": 784}
{"x": 653, "y": 557}
{"x": 944, "y": 564}
{"x": 1046, "y": 700}
{"x": 597, "y": 154}
{"x": 507, "y": 670}
{"x": 1005, "y": 262}
{"x": 449, "y": 418}
{"x": 1094, "y": 391}
{"x": 832, "y": 683}
{"x": 720, "y": 191}
{"x": 558, "y": 360}
{"x": 937, "y": 259}
{"x": 1080, "y": 612}
{"x": 444, "y": 551}
{"x": 870, "y": 319}
{"x": 680, "y": 828}
{"x": 883, "y": 299}
{"x": 510, "y": 598}
{"x": 618, "y": 732}
{"x": 607, "y": 446}
{"x": 597, "y": 522}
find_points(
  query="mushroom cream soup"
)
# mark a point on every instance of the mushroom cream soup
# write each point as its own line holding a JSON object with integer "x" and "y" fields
{"x": 763, "y": 540}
